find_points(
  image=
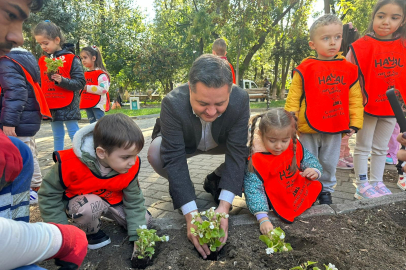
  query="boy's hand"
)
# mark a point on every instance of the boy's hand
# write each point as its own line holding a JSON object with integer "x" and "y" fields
{"x": 310, "y": 174}
{"x": 349, "y": 134}
{"x": 401, "y": 139}
{"x": 10, "y": 131}
{"x": 265, "y": 227}
{"x": 57, "y": 78}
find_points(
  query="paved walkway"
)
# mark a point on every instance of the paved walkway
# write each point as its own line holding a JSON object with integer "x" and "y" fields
{"x": 155, "y": 188}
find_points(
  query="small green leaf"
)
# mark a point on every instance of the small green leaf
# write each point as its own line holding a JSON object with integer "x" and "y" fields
{"x": 222, "y": 233}
{"x": 208, "y": 235}
{"x": 212, "y": 248}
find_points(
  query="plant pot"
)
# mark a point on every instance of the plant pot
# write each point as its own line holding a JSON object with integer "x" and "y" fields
{"x": 49, "y": 74}
{"x": 141, "y": 263}
{"x": 212, "y": 257}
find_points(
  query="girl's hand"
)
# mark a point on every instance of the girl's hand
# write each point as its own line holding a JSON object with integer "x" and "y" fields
{"x": 266, "y": 226}
{"x": 401, "y": 139}
{"x": 310, "y": 173}
{"x": 349, "y": 134}
{"x": 57, "y": 78}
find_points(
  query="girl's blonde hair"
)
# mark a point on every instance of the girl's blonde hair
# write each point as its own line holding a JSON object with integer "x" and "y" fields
{"x": 401, "y": 32}
{"x": 277, "y": 118}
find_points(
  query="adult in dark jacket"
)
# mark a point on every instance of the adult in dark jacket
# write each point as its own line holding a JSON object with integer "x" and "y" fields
{"x": 20, "y": 114}
{"x": 208, "y": 115}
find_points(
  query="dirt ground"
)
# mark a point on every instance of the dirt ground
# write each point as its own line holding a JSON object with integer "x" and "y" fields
{"x": 365, "y": 239}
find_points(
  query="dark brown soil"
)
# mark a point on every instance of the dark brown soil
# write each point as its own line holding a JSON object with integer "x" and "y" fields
{"x": 365, "y": 239}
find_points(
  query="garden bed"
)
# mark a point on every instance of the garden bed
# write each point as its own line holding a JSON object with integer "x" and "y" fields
{"x": 365, "y": 239}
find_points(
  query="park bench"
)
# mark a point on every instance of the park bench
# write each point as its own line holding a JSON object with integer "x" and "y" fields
{"x": 260, "y": 93}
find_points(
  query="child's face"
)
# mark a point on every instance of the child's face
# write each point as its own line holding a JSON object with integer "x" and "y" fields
{"x": 87, "y": 59}
{"x": 120, "y": 160}
{"x": 387, "y": 20}
{"x": 277, "y": 140}
{"x": 326, "y": 41}
{"x": 49, "y": 45}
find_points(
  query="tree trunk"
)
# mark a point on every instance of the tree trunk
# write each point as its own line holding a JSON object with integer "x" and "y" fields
{"x": 285, "y": 70}
{"x": 201, "y": 46}
{"x": 275, "y": 81}
{"x": 326, "y": 6}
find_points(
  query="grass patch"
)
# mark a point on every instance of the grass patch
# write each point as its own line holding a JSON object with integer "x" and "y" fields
{"x": 272, "y": 104}
{"x": 129, "y": 112}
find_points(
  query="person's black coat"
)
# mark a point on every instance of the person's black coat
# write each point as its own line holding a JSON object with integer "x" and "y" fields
{"x": 18, "y": 105}
{"x": 76, "y": 83}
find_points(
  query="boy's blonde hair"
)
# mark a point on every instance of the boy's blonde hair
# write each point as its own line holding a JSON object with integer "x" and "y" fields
{"x": 323, "y": 21}
{"x": 219, "y": 47}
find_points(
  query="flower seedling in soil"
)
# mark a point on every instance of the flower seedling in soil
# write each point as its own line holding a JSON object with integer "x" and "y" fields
{"x": 275, "y": 240}
{"x": 208, "y": 230}
{"x": 144, "y": 247}
{"x": 305, "y": 265}
{"x": 52, "y": 66}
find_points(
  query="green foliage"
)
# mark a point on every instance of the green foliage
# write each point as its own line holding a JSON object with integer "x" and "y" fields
{"x": 53, "y": 65}
{"x": 305, "y": 266}
{"x": 145, "y": 245}
{"x": 275, "y": 241}
{"x": 208, "y": 230}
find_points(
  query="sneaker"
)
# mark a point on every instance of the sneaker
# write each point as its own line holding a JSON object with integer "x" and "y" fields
{"x": 344, "y": 164}
{"x": 389, "y": 160}
{"x": 366, "y": 191}
{"x": 381, "y": 188}
{"x": 402, "y": 182}
{"x": 98, "y": 240}
{"x": 349, "y": 159}
{"x": 211, "y": 184}
{"x": 325, "y": 198}
{"x": 33, "y": 197}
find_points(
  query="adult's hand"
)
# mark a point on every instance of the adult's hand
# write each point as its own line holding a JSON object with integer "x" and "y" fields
{"x": 11, "y": 162}
{"x": 224, "y": 207}
{"x": 202, "y": 249}
{"x": 10, "y": 131}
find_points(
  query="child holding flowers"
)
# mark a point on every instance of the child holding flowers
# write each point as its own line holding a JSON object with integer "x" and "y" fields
{"x": 281, "y": 172}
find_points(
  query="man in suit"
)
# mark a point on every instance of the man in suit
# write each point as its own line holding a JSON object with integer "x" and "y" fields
{"x": 208, "y": 115}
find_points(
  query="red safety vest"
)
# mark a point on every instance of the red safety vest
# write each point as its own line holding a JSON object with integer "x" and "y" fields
{"x": 382, "y": 67}
{"x": 78, "y": 179}
{"x": 39, "y": 95}
{"x": 89, "y": 100}
{"x": 231, "y": 66}
{"x": 289, "y": 193}
{"x": 326, "y": 87}
{"x": 56, "y": 96}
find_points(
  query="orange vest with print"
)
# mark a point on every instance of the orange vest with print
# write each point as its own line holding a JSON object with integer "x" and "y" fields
{"x": 89, "y": 100}
{"x": 39, "y": 95}
{"x": 290, "y": 194}
{"x": 56, "y": 96}
{"x": 382, "y": 65}
{"x": 326, "y": 86}
{"x": 77, "y": 179}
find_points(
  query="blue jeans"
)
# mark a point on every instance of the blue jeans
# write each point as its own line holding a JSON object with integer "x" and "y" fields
{"x": 94, "y": 114}
{"x": 59, "y": 132}
{"x": 15, "y": 198}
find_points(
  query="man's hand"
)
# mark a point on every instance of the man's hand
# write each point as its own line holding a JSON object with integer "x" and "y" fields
{"x": 10, "y": 131}
{"x": 11, "y": 162}
{"x": 224, "y": 207}
{"x": 352, "y": 131}
{"x": 202, "y": 249}
{"x": 310, "y": 173}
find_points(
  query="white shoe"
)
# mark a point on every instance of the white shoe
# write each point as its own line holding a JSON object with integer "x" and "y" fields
{"x": 33, "y": 197}
{"x": 402, "y": 182}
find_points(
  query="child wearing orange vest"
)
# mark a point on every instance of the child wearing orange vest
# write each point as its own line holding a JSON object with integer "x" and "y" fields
{"x": 219, "y": 48}
{"x": 100, "y": 170}
{"x": 95, "y": 97}
{"x": 61, "y": 89}
{"x": 281, "y": 171}
{"x": 326, "y": 94}
{"x": 381, "y": 58}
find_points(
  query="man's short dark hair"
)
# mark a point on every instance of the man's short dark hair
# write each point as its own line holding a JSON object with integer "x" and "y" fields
{"x": 115, "y": 131}
{"x": 210, "y": 70}
{"x": 36, "y": 5}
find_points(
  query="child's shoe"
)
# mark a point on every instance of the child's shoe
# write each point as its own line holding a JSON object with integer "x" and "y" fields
{"x": 344, "y": 164}
{"x": 33, "y": 196}
{"x": 381, "y": 188}
{"x": 349, "y": 159}
{"x": 98, "y": 240}
{"x": 366, "y": 191}
{"x": 389, "y": 160}
{"x": 325, "y": 198}
{"x": 402, "y": 182}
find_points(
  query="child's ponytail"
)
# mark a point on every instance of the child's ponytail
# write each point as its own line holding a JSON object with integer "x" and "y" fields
{"x": 293, "y": 166}
{"x": 251, "y": 130}
{"x": 94, "y": 51}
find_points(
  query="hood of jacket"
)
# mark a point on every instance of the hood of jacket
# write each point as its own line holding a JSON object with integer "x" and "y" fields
{"x": 27, "y": 60}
